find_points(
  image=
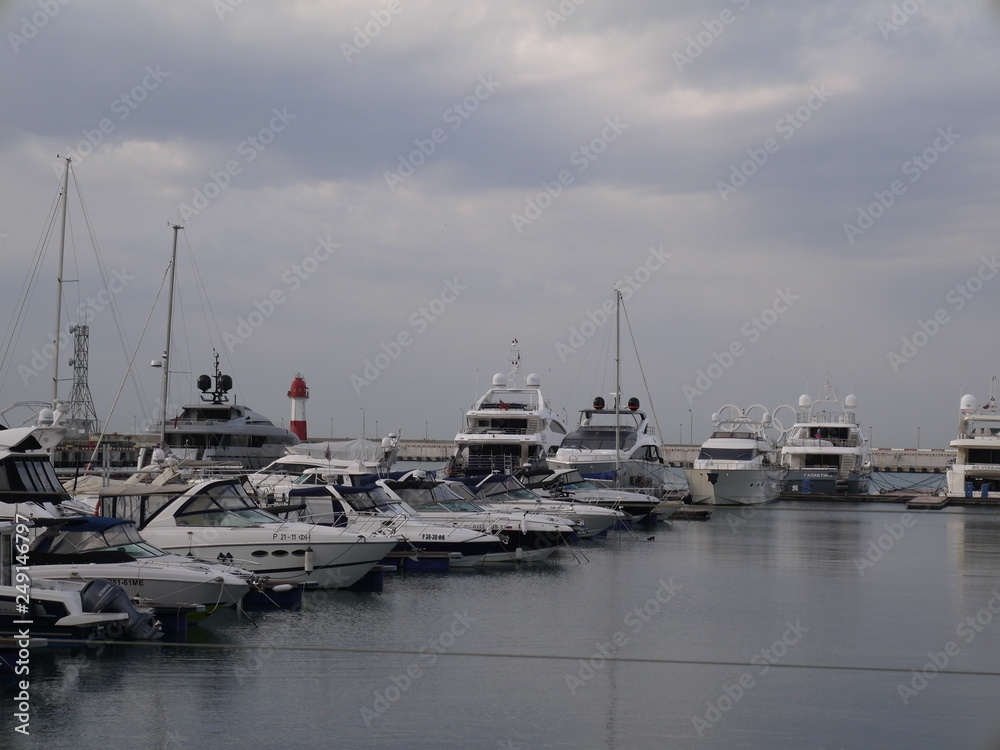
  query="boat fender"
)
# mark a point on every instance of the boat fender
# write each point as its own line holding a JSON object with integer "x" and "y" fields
{"x": 309, "y": 560}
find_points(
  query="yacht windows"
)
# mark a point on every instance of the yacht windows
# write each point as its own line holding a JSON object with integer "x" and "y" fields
{"x": 599, "y": 438}
{"x": 984, "y": 456}
{"x": 37, "y": 475}
{"x": 727, "y": 454}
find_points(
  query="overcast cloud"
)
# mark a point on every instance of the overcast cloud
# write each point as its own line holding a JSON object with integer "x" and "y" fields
{"x": 811, "y": 185}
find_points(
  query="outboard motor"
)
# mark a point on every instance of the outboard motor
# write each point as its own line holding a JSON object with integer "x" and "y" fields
{"x": 100, "y": 595}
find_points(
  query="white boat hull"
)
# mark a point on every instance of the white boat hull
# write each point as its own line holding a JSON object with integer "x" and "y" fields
{"x": 733, "y": 486}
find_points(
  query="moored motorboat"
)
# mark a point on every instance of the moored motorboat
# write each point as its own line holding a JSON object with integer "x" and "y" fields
{"x": 217, "y": 520}
{"x": 825, "y": 451}
{"x": 738, "y": 464}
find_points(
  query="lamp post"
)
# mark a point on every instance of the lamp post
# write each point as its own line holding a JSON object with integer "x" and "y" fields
{"x": 691, "y": 431}
{"x": 331, "y": 428}
{"x": 425, "y": 431}
{"x": 362, "y": 423}
{"x": 918, "y": 438}
{"x": 376, "y": 429}
{"x": 680, "y": 434}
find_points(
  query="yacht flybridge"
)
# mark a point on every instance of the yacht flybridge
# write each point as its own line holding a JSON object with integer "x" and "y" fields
{"x": 512, "y": 425}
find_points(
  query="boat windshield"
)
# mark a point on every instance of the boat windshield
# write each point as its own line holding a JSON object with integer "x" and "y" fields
{"x": 507, "y": 489}
{"x": 727, "y": 454}
{"x": 121, "y": 538}
{"x": 599, "y": 438}
{"x": 222, "y": 505}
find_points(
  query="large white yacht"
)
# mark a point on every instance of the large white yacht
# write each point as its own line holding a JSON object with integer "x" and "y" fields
{"x": 976, "y": 470}
{"x": 217, "y": 430}
{"x": 738, "y": 464}
{"x": 825, "y": 451}
{"x": 512, "y": 425}
{"x": 617, "y": 444}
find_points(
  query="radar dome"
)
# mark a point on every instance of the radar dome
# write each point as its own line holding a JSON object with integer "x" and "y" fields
{"x": 499, "y": 381}
{"x": 851, "y": 401}
{"x": 45, "y": 417}
{"x": 158, "y": 456}
{"x": 969, "y": 403}
{"x": 804, "y": 401}
{"x": 716, "y": 417}
{"x": 766, "y": 418}
{"x": 533, "y": 381}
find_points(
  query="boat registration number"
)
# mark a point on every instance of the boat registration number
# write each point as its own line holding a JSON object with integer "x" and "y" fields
{"x": 432, "y": 537}
{"x": 288, "y": 537}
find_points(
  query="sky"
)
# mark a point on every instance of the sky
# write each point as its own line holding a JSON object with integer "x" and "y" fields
{"x": 381, "y": 196}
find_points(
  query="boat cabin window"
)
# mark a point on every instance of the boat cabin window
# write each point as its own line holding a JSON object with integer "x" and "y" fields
{"x": 122, "y": 538}
{"x": 599, "y": 438}
{"x": 727, "y": 454}
{"x": 222, "y": 505}
{"x": 36, "y": 475}
{"x": 984, "y": 456}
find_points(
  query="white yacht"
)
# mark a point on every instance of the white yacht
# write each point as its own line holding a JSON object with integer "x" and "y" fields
{"x": 618, "y": 445}
{"x": 216, "y": 520}
{"x": 505, "y": 492}
{"x": 511, "y": 425}
{"x": 216, "y": 430}
{"x": 344, "y": 505}
{"x": 568, "y": 484}
{"x": 738, "y": 464}
{"x": 976, "y": 470}
{"x": 825, "y": 451}
{"x": 525, "y": 536}
{"x": 91, "y": 547}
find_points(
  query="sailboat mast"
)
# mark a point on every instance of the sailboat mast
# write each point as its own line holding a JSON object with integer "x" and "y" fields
{"x": 166, "y": 351}
{"x": 618, "y": 387}
{"x": 59, "y": 286}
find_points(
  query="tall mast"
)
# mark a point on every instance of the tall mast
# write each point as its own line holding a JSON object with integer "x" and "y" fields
{"x": 618, "y": 387}
{"x": 166, "y": 351}
{"x": 59, "y": 286}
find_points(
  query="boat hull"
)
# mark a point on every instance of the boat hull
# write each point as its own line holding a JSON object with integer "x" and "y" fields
{"x": 817, "y": 481}
{"x": 733, "y": 486}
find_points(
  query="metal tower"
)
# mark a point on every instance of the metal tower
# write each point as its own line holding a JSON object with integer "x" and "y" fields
{"x": 82, "y": 414}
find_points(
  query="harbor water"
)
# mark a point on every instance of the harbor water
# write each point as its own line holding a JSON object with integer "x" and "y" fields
{"x": 793, "y": 625}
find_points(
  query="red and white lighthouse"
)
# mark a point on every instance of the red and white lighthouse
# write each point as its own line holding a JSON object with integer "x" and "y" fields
{"x": 298, "y": 393}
